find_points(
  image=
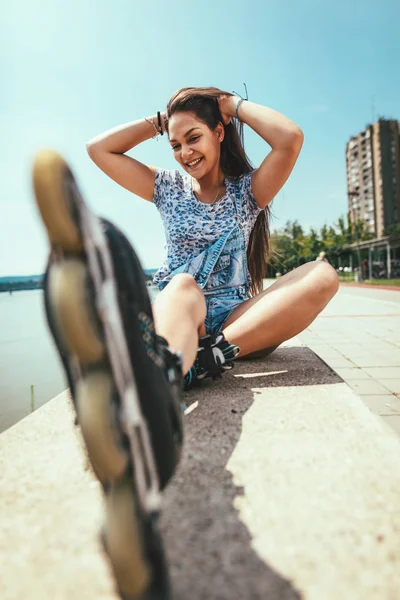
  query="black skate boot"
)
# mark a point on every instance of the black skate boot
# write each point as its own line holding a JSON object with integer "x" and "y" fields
{"x": 214, "y": 356}
{"x": 125, "y": 381}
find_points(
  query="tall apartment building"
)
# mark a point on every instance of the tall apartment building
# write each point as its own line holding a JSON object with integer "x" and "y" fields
{"x": 373, "y": 175}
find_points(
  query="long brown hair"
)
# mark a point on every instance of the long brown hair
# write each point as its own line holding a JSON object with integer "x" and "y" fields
{"x": 203, "y": 102}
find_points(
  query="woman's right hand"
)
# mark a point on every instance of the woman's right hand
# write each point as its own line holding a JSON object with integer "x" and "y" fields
{"x": 227, "y": 106}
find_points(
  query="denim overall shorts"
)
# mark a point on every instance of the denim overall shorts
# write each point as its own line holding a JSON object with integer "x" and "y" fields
{"x": 221, "y": 272}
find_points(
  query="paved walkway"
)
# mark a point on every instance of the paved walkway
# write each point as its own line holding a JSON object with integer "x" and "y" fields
{"x": 358, "y": 335}
{"x": 288, "y": 488}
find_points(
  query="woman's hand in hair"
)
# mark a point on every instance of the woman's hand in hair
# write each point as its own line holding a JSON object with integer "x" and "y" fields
{"x": 227, "y": 107}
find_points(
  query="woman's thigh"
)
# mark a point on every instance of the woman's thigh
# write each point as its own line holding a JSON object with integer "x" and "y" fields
{"x": 283, "y": 310}
{"x": 318, "y": 277}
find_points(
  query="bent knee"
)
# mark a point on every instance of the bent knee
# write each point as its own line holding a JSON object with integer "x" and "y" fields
{"x": 326, "y": 279}
{"x": 184, "y": 287}
{"x": 183, "y": 294}
{"x": 183, "y": 282}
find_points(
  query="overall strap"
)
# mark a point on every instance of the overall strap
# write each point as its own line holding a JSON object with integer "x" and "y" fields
{"x": 241, "y": 223}
{"x": 202, "y": 265}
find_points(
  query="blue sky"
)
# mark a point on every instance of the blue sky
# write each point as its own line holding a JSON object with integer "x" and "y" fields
{"x": 71, "y": 70}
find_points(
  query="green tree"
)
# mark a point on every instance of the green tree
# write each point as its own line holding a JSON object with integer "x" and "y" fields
{"x": 292, "y": 247}
{"x": 393, "y": 230}
{"x": 287, "y": 248}
{"x": 312, "y": 246}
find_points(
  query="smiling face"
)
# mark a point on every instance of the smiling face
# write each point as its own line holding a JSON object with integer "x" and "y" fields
{"x": 196, "y": 147}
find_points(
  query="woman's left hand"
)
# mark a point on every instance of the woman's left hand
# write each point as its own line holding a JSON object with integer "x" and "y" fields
{"x": 227, "y": 107}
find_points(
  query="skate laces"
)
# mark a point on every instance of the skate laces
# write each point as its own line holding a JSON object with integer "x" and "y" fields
{"x": 214, "y": 356}
{"x": 172, "y": 360}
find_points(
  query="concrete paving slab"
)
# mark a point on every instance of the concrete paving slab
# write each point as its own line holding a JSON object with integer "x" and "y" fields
{"x": 383, "y": 372}
{"x": 371, "y": 361}
{"x": 375, "y": 332}
{"x": 353, "y": 349}
{"x": 385, "y": 346}
{"x": 363, "y": 357}
{"x": 391, "y": 356}
{"x": 393, "y": 422}
{"x": 393, "y": 385}
{"x": 319, "y": 347}
{"x": 328, "y": 353}
{"x": 384, "y": 405}
{"x": 393, "y": 336}
{"x": 338, "y": 362}
{"x": 361, "y": 339}
{"x": 365, "y": 387}
{"x": 354, "y": 305}
{"x": 288, "y": 489}
{"x": 393, "y": 349}
{"x": 353, "y": 373}
{"x": 51, "y": 511}
{"x": 323, "y": 349}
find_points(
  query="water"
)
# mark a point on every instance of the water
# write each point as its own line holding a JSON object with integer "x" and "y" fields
{"x": 27, "y": 357}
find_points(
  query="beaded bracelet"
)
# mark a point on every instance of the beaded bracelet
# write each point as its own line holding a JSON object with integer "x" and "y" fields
{"x": 151, "y": 122}
{"x": 241, "y": 100}
{"x": 237, "y": 107}
{"x": 159, "y": 122}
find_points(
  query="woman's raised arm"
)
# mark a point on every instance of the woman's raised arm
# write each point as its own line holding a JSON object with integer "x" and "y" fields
{"x": 108, "y": 149}
{"x": 284, "y": 137}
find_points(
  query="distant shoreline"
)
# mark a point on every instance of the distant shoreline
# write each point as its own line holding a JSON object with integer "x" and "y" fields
{"x": 22, "y": 282}
{"x": 17, "y": 283}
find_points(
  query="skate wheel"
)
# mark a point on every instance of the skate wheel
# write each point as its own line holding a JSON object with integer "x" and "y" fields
{"x": 52, "y": 181}
{"x": 124, "y": 542}
{"x": 74, "y": 312}
{"x": 95, "y": 412}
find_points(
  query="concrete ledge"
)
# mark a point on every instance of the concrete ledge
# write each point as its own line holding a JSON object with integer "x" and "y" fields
{"x": 289, "y": 488}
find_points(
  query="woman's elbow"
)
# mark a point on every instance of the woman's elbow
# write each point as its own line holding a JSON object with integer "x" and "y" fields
{"x": 296, "y": 138}
{"x": 292, "y": 139}
{"x": 90, "y": 148}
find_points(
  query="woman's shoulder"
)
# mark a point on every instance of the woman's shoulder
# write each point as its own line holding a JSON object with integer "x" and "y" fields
{"x": 245, "y": 179}
{"x": 171, "y": 177}
{"x": 169, "y": 183}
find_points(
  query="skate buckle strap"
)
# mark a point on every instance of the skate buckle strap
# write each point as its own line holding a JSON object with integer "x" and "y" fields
{"x": 214, "y": 356}
{"x": 210, "y": 357}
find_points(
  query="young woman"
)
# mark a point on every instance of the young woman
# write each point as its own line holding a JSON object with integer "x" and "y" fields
{"x": 199, "y": 208}
{"x": 124, "y": 369}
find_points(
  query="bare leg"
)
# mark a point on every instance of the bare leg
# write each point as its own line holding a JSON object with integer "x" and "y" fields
{"x": 179, "y": 312}
{"x": 283, "y": 310}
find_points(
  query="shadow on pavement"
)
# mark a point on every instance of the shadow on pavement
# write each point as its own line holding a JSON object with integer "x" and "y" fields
{"x": 210, "y": 550}
{"x": 286, "y": 366}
